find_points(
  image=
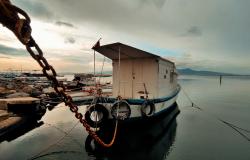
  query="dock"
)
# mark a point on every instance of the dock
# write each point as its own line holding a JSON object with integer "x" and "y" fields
{"x": 14, "y": 112}
{"x": 5, "y": 104}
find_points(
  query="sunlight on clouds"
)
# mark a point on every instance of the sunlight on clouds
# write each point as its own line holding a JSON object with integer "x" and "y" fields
{"x": 48, "y": 35}
{"x": 18, "y": 63}
{"x": 8, "y": 38}
{"x": 51, "y": 39}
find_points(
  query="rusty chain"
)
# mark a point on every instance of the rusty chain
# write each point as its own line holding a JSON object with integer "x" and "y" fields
{"x": 9, "y": 17}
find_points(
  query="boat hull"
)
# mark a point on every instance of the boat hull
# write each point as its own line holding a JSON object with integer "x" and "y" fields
{"x": 159, "y": 107}
{"x": 138, "y": 136}
{"x": 135, "y": 105}
{"x": 167, "y": 114}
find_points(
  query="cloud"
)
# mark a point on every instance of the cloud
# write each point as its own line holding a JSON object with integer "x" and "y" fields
{"x": 35, "y": 8}
{"x": 4, "y": 57}
{"x": 193, "y": 31}
{"x": 216, "y": 32}
{"x": 157, "y": 3}
{"x": 76, "y": 59}
{"x": 9, "y": 51}
{"x": 60, "y": 23}
{"x": 70, "y": 40}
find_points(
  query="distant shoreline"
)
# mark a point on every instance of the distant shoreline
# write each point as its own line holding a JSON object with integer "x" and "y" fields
{"x": 188, "y": 71}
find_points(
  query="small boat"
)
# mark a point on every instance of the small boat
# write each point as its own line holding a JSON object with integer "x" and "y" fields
{"x": 144, "y": 85}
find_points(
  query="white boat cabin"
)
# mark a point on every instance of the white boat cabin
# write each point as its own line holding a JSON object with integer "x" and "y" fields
{"x": 139, "y": 72}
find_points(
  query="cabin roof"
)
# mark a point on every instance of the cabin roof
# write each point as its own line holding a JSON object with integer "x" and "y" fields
{"x": 126, "y": 52}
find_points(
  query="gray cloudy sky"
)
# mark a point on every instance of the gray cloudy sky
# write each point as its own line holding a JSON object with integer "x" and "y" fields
{"x": 199, "y": 34}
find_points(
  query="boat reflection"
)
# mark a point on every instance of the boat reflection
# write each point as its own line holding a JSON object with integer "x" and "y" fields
{"x": 150, "y": 139}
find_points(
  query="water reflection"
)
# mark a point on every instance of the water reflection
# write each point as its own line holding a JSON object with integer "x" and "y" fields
{"x": 150, "y": 139}
{"x": 29, "y": 121}
{"x": 26, "y": 124}
{"x": 58, "y": 135}
{"x": 23, "y": 129}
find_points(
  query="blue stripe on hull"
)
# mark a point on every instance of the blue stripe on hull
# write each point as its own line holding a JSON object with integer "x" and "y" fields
{"x": 131, "y": 101}
{"x": 156, "y": 100}
{"x": 165, "y": 111}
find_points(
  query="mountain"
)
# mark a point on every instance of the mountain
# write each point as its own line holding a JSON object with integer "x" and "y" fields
{"x": 188, "y": 71}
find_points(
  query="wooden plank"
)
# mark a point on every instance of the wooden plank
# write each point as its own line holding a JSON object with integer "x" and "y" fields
{"x": 10, "y": 124}
{"x": 3, "y": 115}
{"x": 18, "y": 101}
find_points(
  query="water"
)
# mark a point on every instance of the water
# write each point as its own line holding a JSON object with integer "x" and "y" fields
{"x": 199, "y": 133}
{"x": 102, "y": 80}
{"x": 194, "y": 134}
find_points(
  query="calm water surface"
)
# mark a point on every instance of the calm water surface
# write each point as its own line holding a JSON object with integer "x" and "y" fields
{"x": 194, "y": 134}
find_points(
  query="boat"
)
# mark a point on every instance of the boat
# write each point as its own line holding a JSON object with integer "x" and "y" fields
{"x": 144, "y": 86}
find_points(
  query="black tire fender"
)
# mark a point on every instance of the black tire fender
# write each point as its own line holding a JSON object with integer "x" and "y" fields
{"x": 121, "y": 103}
{"x": 100, "y": 109}
{"x": 145, "y": 105}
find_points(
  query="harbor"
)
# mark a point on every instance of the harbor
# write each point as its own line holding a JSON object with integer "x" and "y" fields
{"x": 25, "y": 98}
{"x": 124, "y": 80}
{"x": 62, "y": 137}
{"x": 133, "y": 95}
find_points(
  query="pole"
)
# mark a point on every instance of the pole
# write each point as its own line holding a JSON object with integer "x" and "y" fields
{"x": 220, "y": 79}
{"x": 119, "y": 74}
{"x": 94, "y": 68}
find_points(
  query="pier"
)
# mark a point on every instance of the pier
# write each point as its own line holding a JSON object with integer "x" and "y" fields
{"x": 14, "y": 112}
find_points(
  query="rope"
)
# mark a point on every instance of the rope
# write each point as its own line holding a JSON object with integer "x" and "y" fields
{"x": 115, "y": 133}
{"x": 236, "y": 128}
{"x": 50, "y": 146}
{"x": 102, "y": 69}
{"x": 116, "y": 125}
{"x": 193, "y": 104}
{"x": 94, "y": 67}
{"x": 66, "y": 133}
{"x": 97, "y": 89}
{"x": 232, "y": 126}
{"x": 119, "y": 74}
{"x": 57, "y": 152}
{"x": 145, "y": 90}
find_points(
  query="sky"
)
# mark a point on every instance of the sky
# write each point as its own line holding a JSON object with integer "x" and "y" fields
{"x": 199, "y": 34}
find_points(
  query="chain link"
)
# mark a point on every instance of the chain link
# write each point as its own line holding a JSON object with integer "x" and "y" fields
{"x": 21, "y": 28}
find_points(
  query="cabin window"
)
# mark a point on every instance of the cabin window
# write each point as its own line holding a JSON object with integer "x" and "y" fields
{"x": 165, "y": 76}
{"x": 171, "y": 76}
{"x": 166, "y": 71}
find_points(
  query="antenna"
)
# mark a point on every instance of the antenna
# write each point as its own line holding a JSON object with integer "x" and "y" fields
{"x": 94, "y": 67}
{"x": 119, "y": 66}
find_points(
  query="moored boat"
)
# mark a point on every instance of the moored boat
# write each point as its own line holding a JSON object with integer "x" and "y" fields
{"x": 144, "y": 85}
